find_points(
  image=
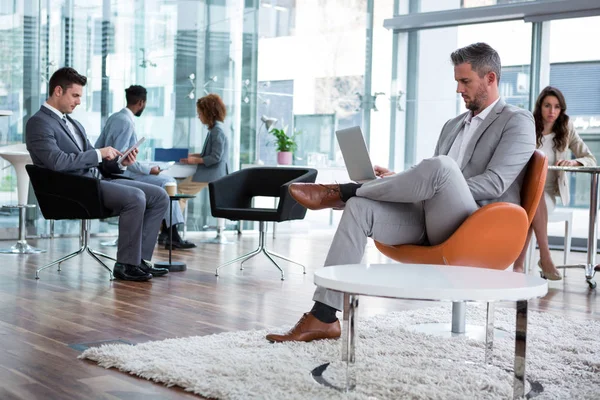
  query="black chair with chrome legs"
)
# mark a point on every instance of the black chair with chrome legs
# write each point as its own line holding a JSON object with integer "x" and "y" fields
{"x": 231, "y": 198}
{"x": 66, "y": 196}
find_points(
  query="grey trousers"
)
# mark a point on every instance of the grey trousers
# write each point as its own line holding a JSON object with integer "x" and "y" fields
{"x": 141, "y": 208}
{"x": 422, "y": 205}
{"x": 161, "y": 180}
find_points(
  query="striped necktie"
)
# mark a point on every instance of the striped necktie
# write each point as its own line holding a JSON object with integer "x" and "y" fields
{"x": 76, "y": 136}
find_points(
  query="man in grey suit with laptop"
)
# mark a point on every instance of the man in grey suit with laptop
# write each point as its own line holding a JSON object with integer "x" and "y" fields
{"x": 119, "y": 132}
{"x": 58, "y": 142}
{"x": 480, "y": 158}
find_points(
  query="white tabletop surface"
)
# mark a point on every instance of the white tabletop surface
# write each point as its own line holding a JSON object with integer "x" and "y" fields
{"x": 176, "y": 170}
{"x": 5, "y": 113}
{"x": 431, "y": 282}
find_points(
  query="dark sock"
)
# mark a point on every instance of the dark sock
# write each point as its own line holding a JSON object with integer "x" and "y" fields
{"x": 323, "y": 312}
{"x": 348, "y": 190}
{"x": 163, "y": 227}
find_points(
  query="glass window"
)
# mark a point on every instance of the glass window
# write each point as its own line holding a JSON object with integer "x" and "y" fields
{"x": 178, "y": 50}
{"x": 434, "y": 100}
{"x": 574, "y": 67}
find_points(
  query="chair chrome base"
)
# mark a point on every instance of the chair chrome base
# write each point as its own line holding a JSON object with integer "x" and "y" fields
{"x": 475, "y": 332}
{"x": 110, "y": 243}
{"x": 84, "y": 247}
{"x": 261, "y": 249}
{"x": 219, "y": 239}
{"x": 21, "y": 247}
{"x": 458, "y": 327}
{"x": 588, "y": 270}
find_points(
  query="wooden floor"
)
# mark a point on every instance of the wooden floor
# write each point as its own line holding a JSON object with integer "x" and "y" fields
{"x": 44, "y": 324}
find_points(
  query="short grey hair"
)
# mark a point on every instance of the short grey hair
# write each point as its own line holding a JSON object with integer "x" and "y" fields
{"x": 482, "y": 57}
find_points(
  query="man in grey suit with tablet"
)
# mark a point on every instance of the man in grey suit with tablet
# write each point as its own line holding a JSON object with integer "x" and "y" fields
{"x": 119, "y": 132}
{"x": 58, "y": 142}
{"x": 480, "y": 158}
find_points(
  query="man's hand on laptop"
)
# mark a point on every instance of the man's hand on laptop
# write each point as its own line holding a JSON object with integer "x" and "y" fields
{"x": 382, "y": 172}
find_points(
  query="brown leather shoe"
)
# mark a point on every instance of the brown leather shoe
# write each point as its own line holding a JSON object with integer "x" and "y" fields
{"x": 307, "y": 329}
{"x": 315, "y": 196}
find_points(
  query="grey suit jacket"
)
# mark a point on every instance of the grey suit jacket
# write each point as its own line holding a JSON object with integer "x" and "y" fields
{"x": 119, "y": 132}
{"x": 215, "y": 153}
{"x": 496, "y": 156}
{"x": 51, "y": 145}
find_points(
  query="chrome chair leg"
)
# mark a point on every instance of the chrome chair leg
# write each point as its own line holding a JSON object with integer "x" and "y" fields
{"x": 274, "y": 263}
{"x": 60, "y": 260}
{"x": 95, "y": 257}
{"x": 261, "y": 249}
{"x": 240, "y": 258}
{"x": 287, "y": 259}
{"x": 84, "y": 239}
{"x": 249, "y": 256}
{"x": 101, "y": 254}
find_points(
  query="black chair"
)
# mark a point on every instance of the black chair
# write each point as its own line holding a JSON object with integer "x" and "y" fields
{"x": 231, "y": 197}
{"x": 66, "y": 196}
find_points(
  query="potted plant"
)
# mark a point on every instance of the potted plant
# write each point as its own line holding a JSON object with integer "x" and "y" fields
{"x": 285, "y": 145}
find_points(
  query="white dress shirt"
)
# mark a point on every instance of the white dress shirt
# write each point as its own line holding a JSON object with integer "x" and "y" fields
{"x": 130, "y": 114}
{"x": 457, "y": 151}
{"x": 76, "y": 135}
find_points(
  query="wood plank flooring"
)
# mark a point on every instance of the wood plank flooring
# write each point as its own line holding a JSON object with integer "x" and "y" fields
{"x": 44, "y": 322}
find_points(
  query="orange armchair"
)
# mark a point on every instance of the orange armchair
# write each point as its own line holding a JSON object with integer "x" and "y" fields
{"x": 492, "y": 237}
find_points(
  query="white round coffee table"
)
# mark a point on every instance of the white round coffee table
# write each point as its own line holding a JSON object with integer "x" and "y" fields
{"x": 433, "y": 283}
{"x": 18, "y": 156}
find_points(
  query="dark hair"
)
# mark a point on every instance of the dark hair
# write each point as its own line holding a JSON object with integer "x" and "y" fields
{"x": 482, "y": 57}
{"x": 212, "y": 107}
{"x": 135, "y": 93}
{"x": 65, "y": 78}
{"x": 561, "y": 125}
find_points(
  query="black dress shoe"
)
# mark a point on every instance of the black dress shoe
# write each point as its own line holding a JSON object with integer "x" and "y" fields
{"x": 163, "y": 237}
{"x": 148, "y": 268}
{"x": 179, "y": 244}
{"x": 128, "y": 272}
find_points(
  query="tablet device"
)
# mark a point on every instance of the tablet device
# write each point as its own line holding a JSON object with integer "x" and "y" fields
{"x": 129, "y": 150}
{"x": 355, "y": 153}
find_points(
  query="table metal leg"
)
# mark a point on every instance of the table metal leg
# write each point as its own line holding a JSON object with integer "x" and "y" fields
{"x": 348, "y": 338}
{"x": 171, "y": 265}
{"x": 22, "y": 247}
{"x": 592, "y": 231}
{"x": 520, "y": 350}
{"x": 489, "y": 333}
{"x": 592, "y": 246}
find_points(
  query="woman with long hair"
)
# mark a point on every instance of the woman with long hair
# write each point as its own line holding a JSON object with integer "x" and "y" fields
{"x": 212, "y": 161}
{"x": 555, "y": 135}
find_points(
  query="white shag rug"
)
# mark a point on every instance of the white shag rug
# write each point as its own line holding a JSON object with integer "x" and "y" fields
{"x": 563, "y": 356}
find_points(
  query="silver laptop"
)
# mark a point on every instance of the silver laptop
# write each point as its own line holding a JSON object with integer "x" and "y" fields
{"x": 355, "y": 153}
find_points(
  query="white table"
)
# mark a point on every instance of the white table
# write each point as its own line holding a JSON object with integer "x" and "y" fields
{"x": 589, "y": 267}
{"x": 180, "y": 171}
{"x": 434, "y": 283}
{"x": 5, "y": 113}
{"x": 18, "y": 156}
